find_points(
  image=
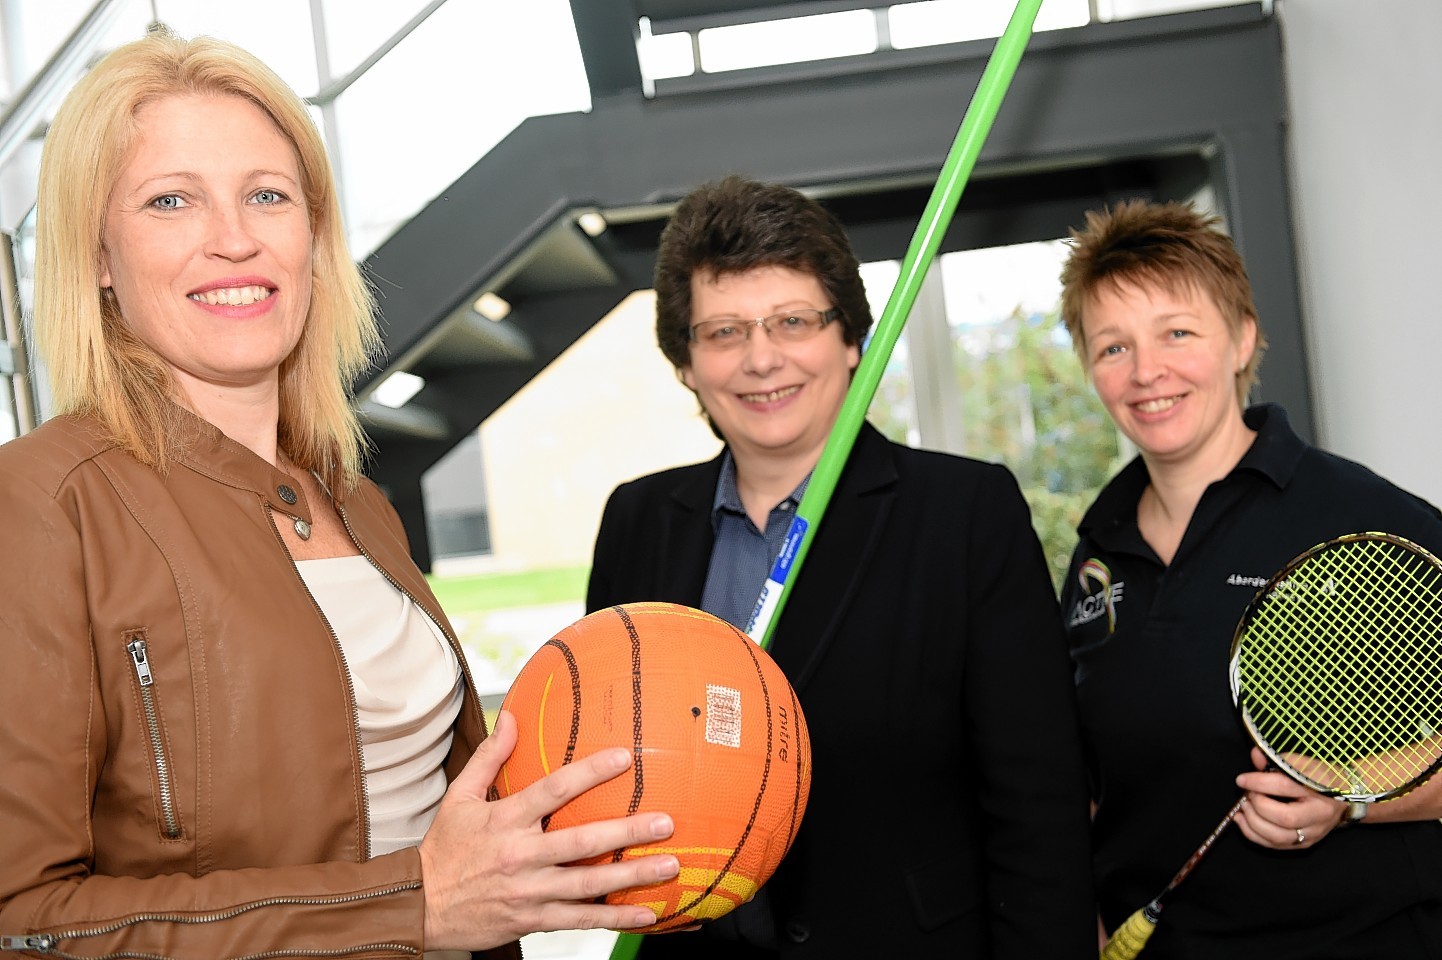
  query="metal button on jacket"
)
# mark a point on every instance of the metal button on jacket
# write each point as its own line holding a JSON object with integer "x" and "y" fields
{"x": 286, "y": 493}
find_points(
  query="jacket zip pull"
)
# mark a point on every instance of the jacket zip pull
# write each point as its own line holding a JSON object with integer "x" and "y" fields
{"x": 140, "y": 659}
{"x": 38, "y": 942}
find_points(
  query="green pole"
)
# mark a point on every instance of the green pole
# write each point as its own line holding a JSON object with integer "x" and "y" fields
{"x": 975, "y": 126}
{"x": 924, "y": 243}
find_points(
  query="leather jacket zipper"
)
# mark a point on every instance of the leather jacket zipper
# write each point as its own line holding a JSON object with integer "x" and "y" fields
{"x": 140, "y": 660}
{"x": 49, "y": 943}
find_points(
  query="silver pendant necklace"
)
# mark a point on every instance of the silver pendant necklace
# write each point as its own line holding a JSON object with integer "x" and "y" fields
{"x": 288, "y": 494}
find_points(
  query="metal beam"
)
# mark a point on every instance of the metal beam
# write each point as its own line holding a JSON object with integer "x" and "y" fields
{"x": 675, "y": 16}
{"x": 411, "y": 420}
{"x": 1075, "y": 104}
{"x": 26, "y": 113}
{"x": 331, "y": 89}
{"x": 607, "y": 33}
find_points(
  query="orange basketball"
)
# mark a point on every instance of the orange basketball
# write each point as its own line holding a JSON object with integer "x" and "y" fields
{"x": 717, "y": 737}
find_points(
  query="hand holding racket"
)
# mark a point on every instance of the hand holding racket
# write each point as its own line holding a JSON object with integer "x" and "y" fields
{"x": 1282, "y": 814}
{"x": 1336, "y": 669}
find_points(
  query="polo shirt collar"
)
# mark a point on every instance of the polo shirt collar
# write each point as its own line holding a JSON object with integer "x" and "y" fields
{"x": 1274, "y": 454}
{"x": 1277, "y": 451}
{"x": 728, "y": 497}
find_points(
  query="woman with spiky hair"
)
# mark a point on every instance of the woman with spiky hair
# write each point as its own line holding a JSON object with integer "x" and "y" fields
{"x": 1220, "y": 497}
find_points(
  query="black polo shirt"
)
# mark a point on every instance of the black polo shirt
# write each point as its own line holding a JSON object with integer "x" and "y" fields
{"x": 1150, "y": 644}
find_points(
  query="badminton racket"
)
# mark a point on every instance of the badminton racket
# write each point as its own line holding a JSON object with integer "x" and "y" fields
{"x": 1336, "y": 670}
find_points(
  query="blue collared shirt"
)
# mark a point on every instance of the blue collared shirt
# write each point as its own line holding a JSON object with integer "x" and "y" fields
{"x": 742, "y": 556}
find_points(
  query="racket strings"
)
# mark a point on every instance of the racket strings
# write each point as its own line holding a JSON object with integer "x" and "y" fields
{"x": 1338, "y": 675}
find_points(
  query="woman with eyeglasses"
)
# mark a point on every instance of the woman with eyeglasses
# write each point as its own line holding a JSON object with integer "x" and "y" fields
{"x": 948, "y": 811}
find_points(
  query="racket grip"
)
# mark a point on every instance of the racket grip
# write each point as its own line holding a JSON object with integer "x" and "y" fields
{"x": 1130, "y": 937}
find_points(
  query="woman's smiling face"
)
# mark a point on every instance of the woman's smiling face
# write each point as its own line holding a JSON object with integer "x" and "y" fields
{"x": 207, "y": 242}
{"x": 769, "y": 399}
{"x": 1165, "y": 366}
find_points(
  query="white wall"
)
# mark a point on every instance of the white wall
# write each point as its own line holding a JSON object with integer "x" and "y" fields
{"x": 607, "y": 410}
{"x": 1364, "y": 81}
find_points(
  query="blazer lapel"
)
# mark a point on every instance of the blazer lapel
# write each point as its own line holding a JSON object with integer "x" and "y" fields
{"x": 839, "y": 557}
{"x": 687, "y": 538}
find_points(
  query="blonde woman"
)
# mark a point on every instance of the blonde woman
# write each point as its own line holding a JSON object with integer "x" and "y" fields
{"x": 236, "y": 720}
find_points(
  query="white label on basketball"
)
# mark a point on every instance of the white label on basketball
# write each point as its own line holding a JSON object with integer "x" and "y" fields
{"x": 723, "y": 716}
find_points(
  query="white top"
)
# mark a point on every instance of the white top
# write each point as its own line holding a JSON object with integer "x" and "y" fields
{"x": 407, "y": 689}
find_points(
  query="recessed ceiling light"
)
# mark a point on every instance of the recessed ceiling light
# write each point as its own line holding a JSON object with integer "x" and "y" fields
{"x": 592, "y": 222}
{"x": 492, "y": 307}
{"x": 396, "y": 390}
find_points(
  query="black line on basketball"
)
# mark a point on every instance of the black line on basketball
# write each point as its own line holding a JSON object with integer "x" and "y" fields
{"x": 638, "y": 773}
{"x": 575, "y": 670}
{"x": 750, "y": 648}
{"x": 575, "y": 732}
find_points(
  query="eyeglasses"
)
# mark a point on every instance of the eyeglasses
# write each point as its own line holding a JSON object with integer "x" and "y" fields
{"x": 793, "y": 326}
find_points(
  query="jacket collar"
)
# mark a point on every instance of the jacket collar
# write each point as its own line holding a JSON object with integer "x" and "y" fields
{"x": 840, "y": 557}
{"x": 202, "y": 447}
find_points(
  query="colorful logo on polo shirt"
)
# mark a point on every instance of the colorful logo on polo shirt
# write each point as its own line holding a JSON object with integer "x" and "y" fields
{"x": 1101, "y": 600}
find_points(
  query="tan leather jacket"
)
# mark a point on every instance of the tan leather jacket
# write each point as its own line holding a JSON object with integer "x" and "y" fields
{"x": 180, "y": 770}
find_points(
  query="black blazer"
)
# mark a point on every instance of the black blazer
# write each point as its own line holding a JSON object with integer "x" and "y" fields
{"x": 949, "y": 810}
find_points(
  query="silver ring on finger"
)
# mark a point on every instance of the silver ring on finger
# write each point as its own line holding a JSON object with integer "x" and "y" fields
{"x": 1301, "y": 837}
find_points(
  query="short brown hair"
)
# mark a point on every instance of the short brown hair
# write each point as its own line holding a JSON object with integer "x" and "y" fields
{"x": 1165, "y": 246}
{"x": 734, "y": 225}
{"x": 99, "y": 367}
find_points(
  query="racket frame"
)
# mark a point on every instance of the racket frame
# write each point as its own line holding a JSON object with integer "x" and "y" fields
{"x": 1239, "y": 639}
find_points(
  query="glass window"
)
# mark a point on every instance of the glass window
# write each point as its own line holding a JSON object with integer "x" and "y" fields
{"x": 30, "y": 33}
{"x": 1024, "y": 399}
{"x": 279, "y": 32}
{"x": 547, "y": 474}
{"x": 787, "y": 41}
{"x": 354, "y": 29}
{"x": 893, "y": 409}
{"x": 952, "y": 21}
{"x": 19, "y": 179}
{"x": 1128, "y": 9}
{"x": 487, "y": 67}
{"x": 455, "y": 495}
{"x": 29, "y": 38}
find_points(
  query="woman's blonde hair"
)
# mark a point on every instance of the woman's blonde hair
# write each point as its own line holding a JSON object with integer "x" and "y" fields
{"x": 97, "y": 365}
